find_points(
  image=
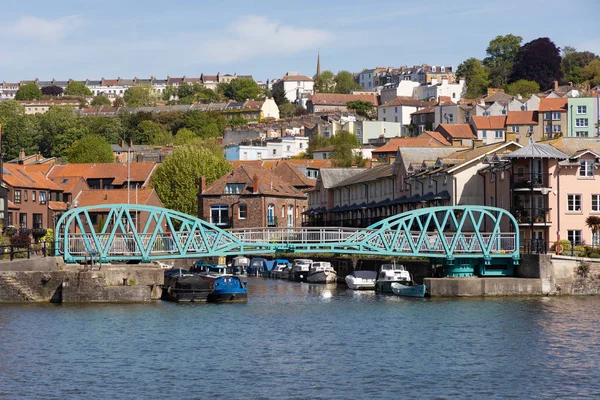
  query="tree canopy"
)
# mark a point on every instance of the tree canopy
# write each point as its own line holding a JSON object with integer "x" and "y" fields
{"x": 52, "y": 90}
{"x": 149, "y": 132}
{"x": 501, "y": 53}
{"x": 100, "y": 101}
{"x": 241, "y": 89}
{"x": 324, "y": 83}
{"x": 522, "y": 87}
{"x": 176, "y": 180}
{"x": 90, "y": 149}
{"x": 476, "y": 77}
{"x": 287, "y": 110}
{"x": 591, "y": 73}
{"x": 343, "y": 155}
{"x": 278, "y": 95}
{"x": 139, "y": 96}
{"x": 573, "y": 62}
{"x": 344, "y": 82}
{"x": 361, "y": 107}
{"x": 539, "y": 61}
{"x": 76, "y": 88}
{"x": 28, "y": 91}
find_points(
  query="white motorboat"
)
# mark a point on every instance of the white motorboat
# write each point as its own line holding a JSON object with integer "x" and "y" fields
{"x": 400, "y": 289}
{"x": 321, "y": 272}
{"x": 391, "y": 273}
{"x": 361, "y": 280}
{"x": 277, "y": 271}
{"x": 300, "y": 269}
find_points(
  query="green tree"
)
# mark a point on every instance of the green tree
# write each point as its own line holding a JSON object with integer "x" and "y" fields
{"x": 118, "y": 102}
{"x": 324, "y": 83}
{"x": 60, "y": 127}
{"x": 110, "y": 129}
{"x": 591, "y": 73}
{"x": 476, "y": 77}
{"x": 501, "y": 53}
{"x": 139, "y": 96}
{"x": 19, "y": 131}
{"x": 278, "y": 95}
{"x": 149, "y": 132}
{"x": 184, "y": 136}
{"x": 316, "y": 142}
{"x": 241, "y": 89}
{"x": 90, "y": 149}
{"x": 345, "y": 142}
{"x": 287, "y": 110}
{"x": 361, "y": 107}
{"x": 538, "y": 60}
{"x": 205, "y": 124}
{"x": 76, "y": 88}
{"x": 573, "y": 62}
{"x": 344, "y": 82}
{"x": 52, "y": 90}
{"x": 28, "y": 91}
{"x": 176, "y": 180}
{"x": 522, "y": 87}
{"x": 100, "y": 101}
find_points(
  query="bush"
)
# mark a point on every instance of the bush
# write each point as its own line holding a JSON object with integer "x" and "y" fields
{"x": 583, "y": 269}
{"x": 594, "y": 255}
{"x": 565, "y": 244}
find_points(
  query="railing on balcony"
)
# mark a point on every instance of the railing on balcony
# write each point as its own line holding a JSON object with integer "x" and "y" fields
{"x": 531, "y": 215}
{"x": 531, "y": 180}
{"x": 347, "y": 222}
{"x": 535, "y": 246}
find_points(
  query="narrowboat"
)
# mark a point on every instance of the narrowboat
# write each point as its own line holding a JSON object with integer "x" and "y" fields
{"x": 181, "y": 285}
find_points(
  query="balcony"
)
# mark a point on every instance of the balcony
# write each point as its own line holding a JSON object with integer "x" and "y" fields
{"x": 532, "y": 216}
{"x": 529, "y": 181}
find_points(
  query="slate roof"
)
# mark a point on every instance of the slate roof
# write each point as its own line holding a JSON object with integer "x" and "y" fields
{"x": 410, "y": 155}
{"x": 468, "y": 155}
{"x": 537, "y": 150}
{"x": 333, "y": 176}
{"x": 368, "y": 175}
{"x": 268, "y": 183}
{"x": 572, "y": 146}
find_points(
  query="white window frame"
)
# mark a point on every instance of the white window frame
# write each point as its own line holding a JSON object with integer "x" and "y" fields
{"x": 498, "y": 134}
{"x": 555, "y": 116}
{"x": 574, "y": 203}
{"x": 595, "y": 203}
{"x": 581, "y": 109}
{"x": 243, "y": 215}
{"x": 586, "y": 169}
{"x": 581, "y": 122}
{"x": 555, "y": 128}
{"x": 575, "y": 236}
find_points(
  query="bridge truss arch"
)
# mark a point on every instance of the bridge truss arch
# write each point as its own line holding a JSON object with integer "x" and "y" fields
{"x": 124, "y": 232}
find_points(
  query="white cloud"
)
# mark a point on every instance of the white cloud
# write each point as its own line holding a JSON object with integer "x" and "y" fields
{"x": 254, "y": 36}
{"x": 46, "y": 30}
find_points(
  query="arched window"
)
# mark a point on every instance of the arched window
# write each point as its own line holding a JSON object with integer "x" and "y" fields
{"x": 282, "y": 211}
{"x": 290, "y": 215}
{"x": 242, "y": 211}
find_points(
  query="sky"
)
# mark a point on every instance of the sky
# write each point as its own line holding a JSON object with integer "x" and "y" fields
{"x": 91, "y": 39}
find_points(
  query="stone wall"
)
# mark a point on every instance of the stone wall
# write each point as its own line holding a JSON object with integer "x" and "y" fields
{"x": 474, "y": 286}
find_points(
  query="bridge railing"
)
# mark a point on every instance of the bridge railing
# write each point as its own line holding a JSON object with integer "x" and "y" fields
{"x": 294, "y": 235}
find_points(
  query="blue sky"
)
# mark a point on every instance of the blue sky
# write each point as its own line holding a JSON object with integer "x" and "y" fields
{"x": 82, "y": 39}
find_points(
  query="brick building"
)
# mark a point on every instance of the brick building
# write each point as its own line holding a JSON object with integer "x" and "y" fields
{"x": 252, "y": 196}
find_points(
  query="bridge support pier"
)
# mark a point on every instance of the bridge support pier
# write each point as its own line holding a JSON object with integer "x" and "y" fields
{"x": 477, "y": 267}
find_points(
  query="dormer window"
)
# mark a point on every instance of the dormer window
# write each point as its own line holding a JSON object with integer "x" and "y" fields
{"x": 586, "y": 168}
{"x": 234, "y": 188}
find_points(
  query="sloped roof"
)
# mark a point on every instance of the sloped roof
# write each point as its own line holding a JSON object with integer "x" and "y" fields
{"x": 394, "y": 143}
{"x": 368, "y": 175}
{"x": 457, "y": 131}
{"x": 293, "y": 78}
{"x": 435, "y": 135}
{"x": 406, "y": 101}
{"x": 341, "y": 99}
{"x": 68, "y": 183}
{"x": 495, "y": 122}
{"x": 537, "y": 150}
{"x": 426, "y": 110}
{"x": 139, "y": 171}
{"x": 464, "y": 157}
{"x": 113, "y": 196}
{"x": 410, "y": 155}
{"x": 20, "y": 176}
{"x": 290, "y": 174}
{"x": 522, "y": 118}
{"x": 571, "y": 145}
{"x": 332, "y": 176}
{"x": 268, "y": 183}
{"x": 553, "y": 104}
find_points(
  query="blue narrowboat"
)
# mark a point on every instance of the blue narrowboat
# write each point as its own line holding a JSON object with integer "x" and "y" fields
{"x": 257, "y": 266}
{"x": 227, "y": 289}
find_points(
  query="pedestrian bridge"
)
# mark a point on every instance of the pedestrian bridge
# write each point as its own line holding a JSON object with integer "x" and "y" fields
{"x": 128, "y": 232}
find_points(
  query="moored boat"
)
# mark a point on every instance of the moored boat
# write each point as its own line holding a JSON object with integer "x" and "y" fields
{"x": 390, "y": 273}
{"x": 321, "y": 272}
{"x": 400, "y": 289}
{"x": 257, "y": 267}
{"x": 300, "y": 269}
{"x": 181, "y": 285}
{"x": 227, "y": 289}
{"x": 361, "y": 280}
{"x": 239, "y": 265}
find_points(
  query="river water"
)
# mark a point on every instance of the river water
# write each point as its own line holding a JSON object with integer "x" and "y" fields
{"x": 303, "y": 341}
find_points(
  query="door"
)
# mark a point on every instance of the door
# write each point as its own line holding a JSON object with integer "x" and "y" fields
{"x": 536, "y": 172}
{"x": 539, "y": 241}
{"x": 539, "y": 209}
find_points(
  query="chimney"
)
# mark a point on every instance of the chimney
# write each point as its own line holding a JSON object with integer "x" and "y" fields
{"x": 255, "y": 184}
{"x": 122, "y": 143}
{"x": 477, "y": 143}
{"x": 555, "y": 85}
{"x": 22, "y": 154}
{"x": 202, "y": 185}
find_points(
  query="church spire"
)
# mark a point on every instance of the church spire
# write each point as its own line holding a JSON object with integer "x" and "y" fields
{"x": 318, "y": 64}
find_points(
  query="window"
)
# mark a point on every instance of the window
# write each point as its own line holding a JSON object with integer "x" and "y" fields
{"x": 491, "y": 201}
{"x": 234, "y": 188}
{"x": 515, "y": 129}
{"x": 37, "y": 221}
{"x": 25, "y": 195}
{"x": 9, "y": 221}
{"x": 242, "y": 211}
{"x": 501, "y": 205}
{"x": 271, "y": 215}
{"x": 555, "y": 128}
{"x": 259, "y": 155}
{"x": 33, "y": 196}
{"x": 555, "y": 116}
{"x": 22, "y": 220}
{"x": 43, "y": 198}
{"x": 498, "y": 134}
{"x": 504, "y": 111}
{"x": 492, "y": 177}
{"x": 18, "y": 196}
{"x": 484, "y": 134}
{"x": 290, "y": 216}
{"x": 596, "y": 203}
{"x": 282, "y": 211}
{"x": 289, "y": 148}
{"x": 547, "y": 116}
{"x": 219, "y": 214}
{"x": 581, "y": 122}
{"x": 531, "y": 129}
{"x": 501, "y": 175}
{"x": 300, "y": 145}
{"x": 395, "y": 119}
{"x": 574, "y": 236}
{"x": 581, "y": 134}
{"x": 581, "y": 109}
{"x": 586, "y": 169}
{"x": 574, "y": 202}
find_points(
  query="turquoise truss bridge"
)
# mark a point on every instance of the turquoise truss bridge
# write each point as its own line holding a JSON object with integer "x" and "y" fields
{"x": 454, "y": 237}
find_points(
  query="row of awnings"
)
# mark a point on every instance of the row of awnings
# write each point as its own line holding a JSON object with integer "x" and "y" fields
{"x": 414, "y": 199}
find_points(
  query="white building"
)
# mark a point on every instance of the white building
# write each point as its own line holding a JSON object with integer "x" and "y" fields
{"x": 435, "y": 89}
{"x": 403, "y": 88}
{"x": 296, "y": 87}
{"x": 399, "y": 110}
{"x": 285, "y": 147}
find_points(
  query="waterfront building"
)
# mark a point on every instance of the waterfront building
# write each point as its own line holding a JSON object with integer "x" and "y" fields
{"x": 525, "y": 126}
{"x": 107, "y": 175}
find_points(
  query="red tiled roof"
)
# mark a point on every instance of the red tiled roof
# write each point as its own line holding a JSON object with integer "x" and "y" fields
{"x": 547, "y": 104}
{"x": 435, "y": 135}
{"x": 394, "y": 143}
{"x": 13, "y": 206}
{"x": 497, "y": 122}
{"x": 426, "y": 110}
{"x": 406, "y": 101}
{"x": 341, "y": 99}
{"x": 20, "y": 176}
{"x": 110, "y": 82}
{"x": 457, "y": 131}
{"x": 68, "y": 183}
{"x": 57, "y": 205}
{"x": 268, "y": 183}
{"x": 293, "y": 176}
{"x": 522, "y": 118}
{"x": 95, "y": 197}
{"x": 253, "y": 104}
{"x": 294, "y": 78}
{"x": 443, "y": 100}
{"x": 140, "y": 171}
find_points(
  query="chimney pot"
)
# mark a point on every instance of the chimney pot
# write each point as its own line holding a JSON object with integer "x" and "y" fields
{"x": 202, "y": 184}
{"x": 255, "y": 184}
{"x": 555, "y": 85}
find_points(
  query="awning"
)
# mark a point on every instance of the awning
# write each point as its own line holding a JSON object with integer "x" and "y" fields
{"x": 443, "y": 195}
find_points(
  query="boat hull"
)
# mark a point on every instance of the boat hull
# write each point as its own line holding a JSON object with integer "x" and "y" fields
{"x": 362, "y": 284}
{"x": 322, "y": 277}
{"x": 409, "y": 291}
{"x": 227, "y": 297}
{"x": 171, "y": 294}
{"x": 385, "y": 286}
